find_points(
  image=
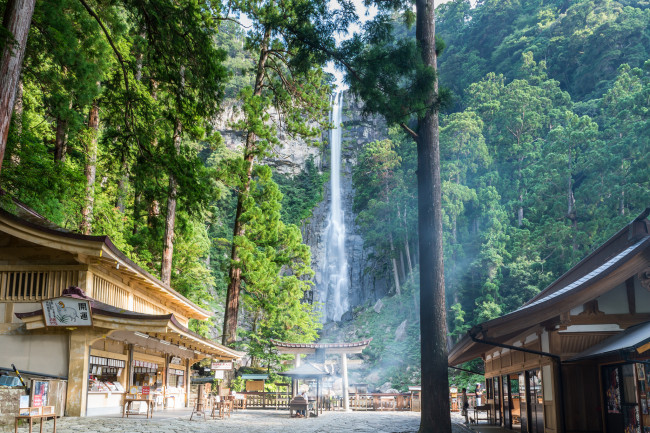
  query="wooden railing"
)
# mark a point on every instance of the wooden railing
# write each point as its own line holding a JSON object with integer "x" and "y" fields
{"x": 365, "y": 401}
{"x": 380, "y": 401}
{"x": 36, "y": 285}
{"x": 266, "y": 400}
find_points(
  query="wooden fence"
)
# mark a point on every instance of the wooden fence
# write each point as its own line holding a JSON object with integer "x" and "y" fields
{"x": 358, "y": 401}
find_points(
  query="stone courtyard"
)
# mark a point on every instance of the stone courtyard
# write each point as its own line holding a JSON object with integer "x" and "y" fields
{"x": 254, "y": 421}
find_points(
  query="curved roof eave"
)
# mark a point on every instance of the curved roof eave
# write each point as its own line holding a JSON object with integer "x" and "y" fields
{"x": 95, "y": 246}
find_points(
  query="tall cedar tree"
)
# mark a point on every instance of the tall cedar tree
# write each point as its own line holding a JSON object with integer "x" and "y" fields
{"x": 13, "y": 39}
{"x": 397, "y": 78}
{"x": 289, "y": 86}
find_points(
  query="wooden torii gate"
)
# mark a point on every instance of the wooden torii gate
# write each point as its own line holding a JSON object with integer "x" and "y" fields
{"x": 321, "y": 350}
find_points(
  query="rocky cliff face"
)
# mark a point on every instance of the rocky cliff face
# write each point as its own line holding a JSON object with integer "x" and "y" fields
{"x": 357, "y": 131}
{"x": 290, "y": 158}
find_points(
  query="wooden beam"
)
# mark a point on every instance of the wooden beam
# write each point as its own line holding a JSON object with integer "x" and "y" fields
{"x": 631, "y": 296}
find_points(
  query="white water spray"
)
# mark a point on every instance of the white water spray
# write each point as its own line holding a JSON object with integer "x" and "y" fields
{"x": 336, "y": 265}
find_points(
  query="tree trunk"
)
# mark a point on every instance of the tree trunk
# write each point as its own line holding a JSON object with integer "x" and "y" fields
{"x": 90, "y": 170}
{"x": 406, "y": 243}
{"x": 234, "y": 274}
{"x": 408, "y": 256}
{"x": 17, "y": 19}
{"x": 122, "y": 189}
{"x": 395, "y": 272}
{"x": 170, "y": 218}
{"x": 18, "y": 122}
{"x": 59, "y": 140}
{"x": 433, "y": 324}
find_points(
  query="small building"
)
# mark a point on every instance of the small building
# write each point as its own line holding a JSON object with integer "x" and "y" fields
{"x": 576, "y": 357}
{"x": 74, "y": 307}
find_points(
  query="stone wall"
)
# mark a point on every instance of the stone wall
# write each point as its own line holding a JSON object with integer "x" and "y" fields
{"x": 9, "y": 405}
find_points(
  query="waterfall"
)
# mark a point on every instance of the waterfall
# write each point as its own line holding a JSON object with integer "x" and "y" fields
{"x": 335, "y": 272}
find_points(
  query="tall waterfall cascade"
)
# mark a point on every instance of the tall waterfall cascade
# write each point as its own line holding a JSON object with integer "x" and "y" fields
{"x": 335, "y": 272}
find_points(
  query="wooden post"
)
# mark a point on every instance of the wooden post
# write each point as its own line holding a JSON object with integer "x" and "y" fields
{"x": 129, "y": 369}
{"x": 296, "y": 361}
{"x": 77, "y": 393}
{"x": 187, "y": 383}
{"x": 344, "y": 373}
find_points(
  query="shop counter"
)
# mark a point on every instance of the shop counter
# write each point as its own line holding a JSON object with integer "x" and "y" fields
{"x": 104, "y": 403}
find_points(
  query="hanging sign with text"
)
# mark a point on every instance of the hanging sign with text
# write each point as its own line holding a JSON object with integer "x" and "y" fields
{"x": 222, "y": 365}
{"x": 66, "y": 311}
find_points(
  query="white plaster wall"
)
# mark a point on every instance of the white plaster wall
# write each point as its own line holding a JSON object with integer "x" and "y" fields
{"x": 545, "y": 342}
{"x": 606, "y": 327}
{"x": 577, "y": 310}
{"x": 39, "y": 353}
{"x": 642, "y": 297}
{"x": 614, "y": 301}
{"x": 24, "y": 307}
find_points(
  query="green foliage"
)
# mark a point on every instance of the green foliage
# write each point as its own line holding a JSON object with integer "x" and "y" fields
{"x": 275, "y": 272}
{"x": 300, "y": 193}
{"x": 569, "y": 35}
{"x": 529, "y": 186}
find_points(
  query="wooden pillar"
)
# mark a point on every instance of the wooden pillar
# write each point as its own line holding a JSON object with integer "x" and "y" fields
{"x": 129, "y": 369}
{"x": 296, "y": 361}
{"x": 344, "y": 373}
{"x": 79, "y": 348}
{"x": 187, "y": 383}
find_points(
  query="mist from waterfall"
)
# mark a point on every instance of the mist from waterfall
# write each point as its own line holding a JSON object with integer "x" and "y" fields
{"x": 335, "y": 272}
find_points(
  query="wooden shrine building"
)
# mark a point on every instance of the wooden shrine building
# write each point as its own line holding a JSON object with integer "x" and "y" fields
{"x": 576, "y": 357}
{"x": 76, "y": 308}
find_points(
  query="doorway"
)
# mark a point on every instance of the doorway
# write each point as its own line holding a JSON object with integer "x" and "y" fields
{"x": 620, "y": 395}
{"x": 535, "y": 400}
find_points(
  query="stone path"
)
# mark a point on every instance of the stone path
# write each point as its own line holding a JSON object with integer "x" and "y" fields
{"x": 253, "y": 421}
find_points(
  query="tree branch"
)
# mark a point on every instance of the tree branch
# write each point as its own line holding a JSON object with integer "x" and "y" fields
{"x": 412, "y": 133}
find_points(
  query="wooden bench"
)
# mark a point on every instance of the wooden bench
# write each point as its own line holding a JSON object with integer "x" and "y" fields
{"x": 127, "y": 409}
{"x": 483, "y": 408}
{"x": 32, "y": 413}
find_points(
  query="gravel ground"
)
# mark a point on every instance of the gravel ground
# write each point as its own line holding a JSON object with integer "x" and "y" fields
{"x": 254, "y": 421}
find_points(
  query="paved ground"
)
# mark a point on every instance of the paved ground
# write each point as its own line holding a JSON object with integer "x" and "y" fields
{"x": 254, "y": 421}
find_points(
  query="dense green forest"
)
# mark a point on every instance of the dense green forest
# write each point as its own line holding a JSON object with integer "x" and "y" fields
{"x": 545, "y": 148}
{"x": 545, "y": 151}
{"x": 113, "y": 133}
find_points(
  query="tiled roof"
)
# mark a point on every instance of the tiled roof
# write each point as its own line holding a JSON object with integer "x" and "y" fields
{"x": 596, "y": 273}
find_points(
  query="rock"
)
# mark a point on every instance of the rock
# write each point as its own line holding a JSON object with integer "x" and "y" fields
{"x": 400, "y": 332}
{"x": 388, "y": 330}
{"x": 347, "y": 317}
{"x": 378, "y": 306}
{"x": 372, "y": 377}
{"x": 386, "y": 387}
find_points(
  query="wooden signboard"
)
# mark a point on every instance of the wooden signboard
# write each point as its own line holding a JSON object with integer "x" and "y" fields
{"x": 222, "y": 365}
{"x": 66, "y": 311}
{"x": 254, "y": 385}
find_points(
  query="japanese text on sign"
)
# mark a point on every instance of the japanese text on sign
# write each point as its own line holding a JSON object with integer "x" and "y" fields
{"x": 66, "y": 311}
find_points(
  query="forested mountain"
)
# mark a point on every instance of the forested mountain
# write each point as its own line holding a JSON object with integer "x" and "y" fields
{"x": 545, "y": 150}
{"x": 582, "y": 42}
